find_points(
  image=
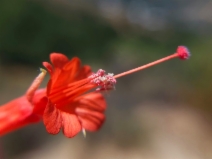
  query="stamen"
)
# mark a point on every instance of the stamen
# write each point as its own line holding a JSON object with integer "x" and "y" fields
{"x": 105, "y": 81}
{"x": 146, "y": 66}
{"x": 62, "y": 95}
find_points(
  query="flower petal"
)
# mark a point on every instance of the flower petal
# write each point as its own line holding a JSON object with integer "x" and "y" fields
{"x": 49, "y": 67}
{"x": 84, "y": 72}
{"x": 90, "y": 109}
{"x": 73, "y": 65}
{"x": 69, "y": 72}
{"x": 93, "y": 101}
{"x": 90, "y": 120}
{"x": 53, "y": 80}
{"x": 71, "y": 124}
{"x": 58, "y": 60}
{"x": 52, "y": 119}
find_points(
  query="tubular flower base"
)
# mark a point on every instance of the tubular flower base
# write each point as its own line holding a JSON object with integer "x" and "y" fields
{"x": 24, "y": 110}
{"x": 72, "y": 100}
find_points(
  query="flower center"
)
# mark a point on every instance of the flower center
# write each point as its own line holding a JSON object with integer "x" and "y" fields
{"x": 105, "y": 81}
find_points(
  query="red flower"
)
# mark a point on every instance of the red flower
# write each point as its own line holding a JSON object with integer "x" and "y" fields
{"x": 72, "y": 102}
{"x": 71, "y": 107}
{"x": 63, "y": 104}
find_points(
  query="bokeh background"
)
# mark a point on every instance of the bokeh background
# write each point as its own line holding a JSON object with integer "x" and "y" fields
{"x": 163, "y": 112}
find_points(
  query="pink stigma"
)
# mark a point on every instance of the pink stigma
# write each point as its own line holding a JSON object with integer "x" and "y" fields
{"x": 183, "y": 52}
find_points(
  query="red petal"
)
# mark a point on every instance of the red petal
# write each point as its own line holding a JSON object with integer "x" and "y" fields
{"x": 73, "y": 65}
{"x": 67, "y": 74}
{"x": 52, "y": 119}
{"x": 58, "y": 59}
{"x": 90, "y": 120}
{"x": 84, "y": 72}
{"x": 93, "y": 101}
{"x": 71, "y": 124}
{"x": 55, "y": 76}
{"x": 87, "y": 112}
{"x": 49, "y": 67}
{"x": 70, "y": 71}
{"x": 90, "y": 109}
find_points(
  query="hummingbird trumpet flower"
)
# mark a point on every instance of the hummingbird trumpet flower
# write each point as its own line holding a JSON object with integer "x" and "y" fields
{"x": 72, "y": 100}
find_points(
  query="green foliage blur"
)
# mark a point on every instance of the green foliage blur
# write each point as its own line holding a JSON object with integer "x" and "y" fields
{"x": 31, "y": 30}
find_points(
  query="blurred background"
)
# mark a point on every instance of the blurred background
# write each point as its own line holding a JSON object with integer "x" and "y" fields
{"x": 163, "y": 112}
